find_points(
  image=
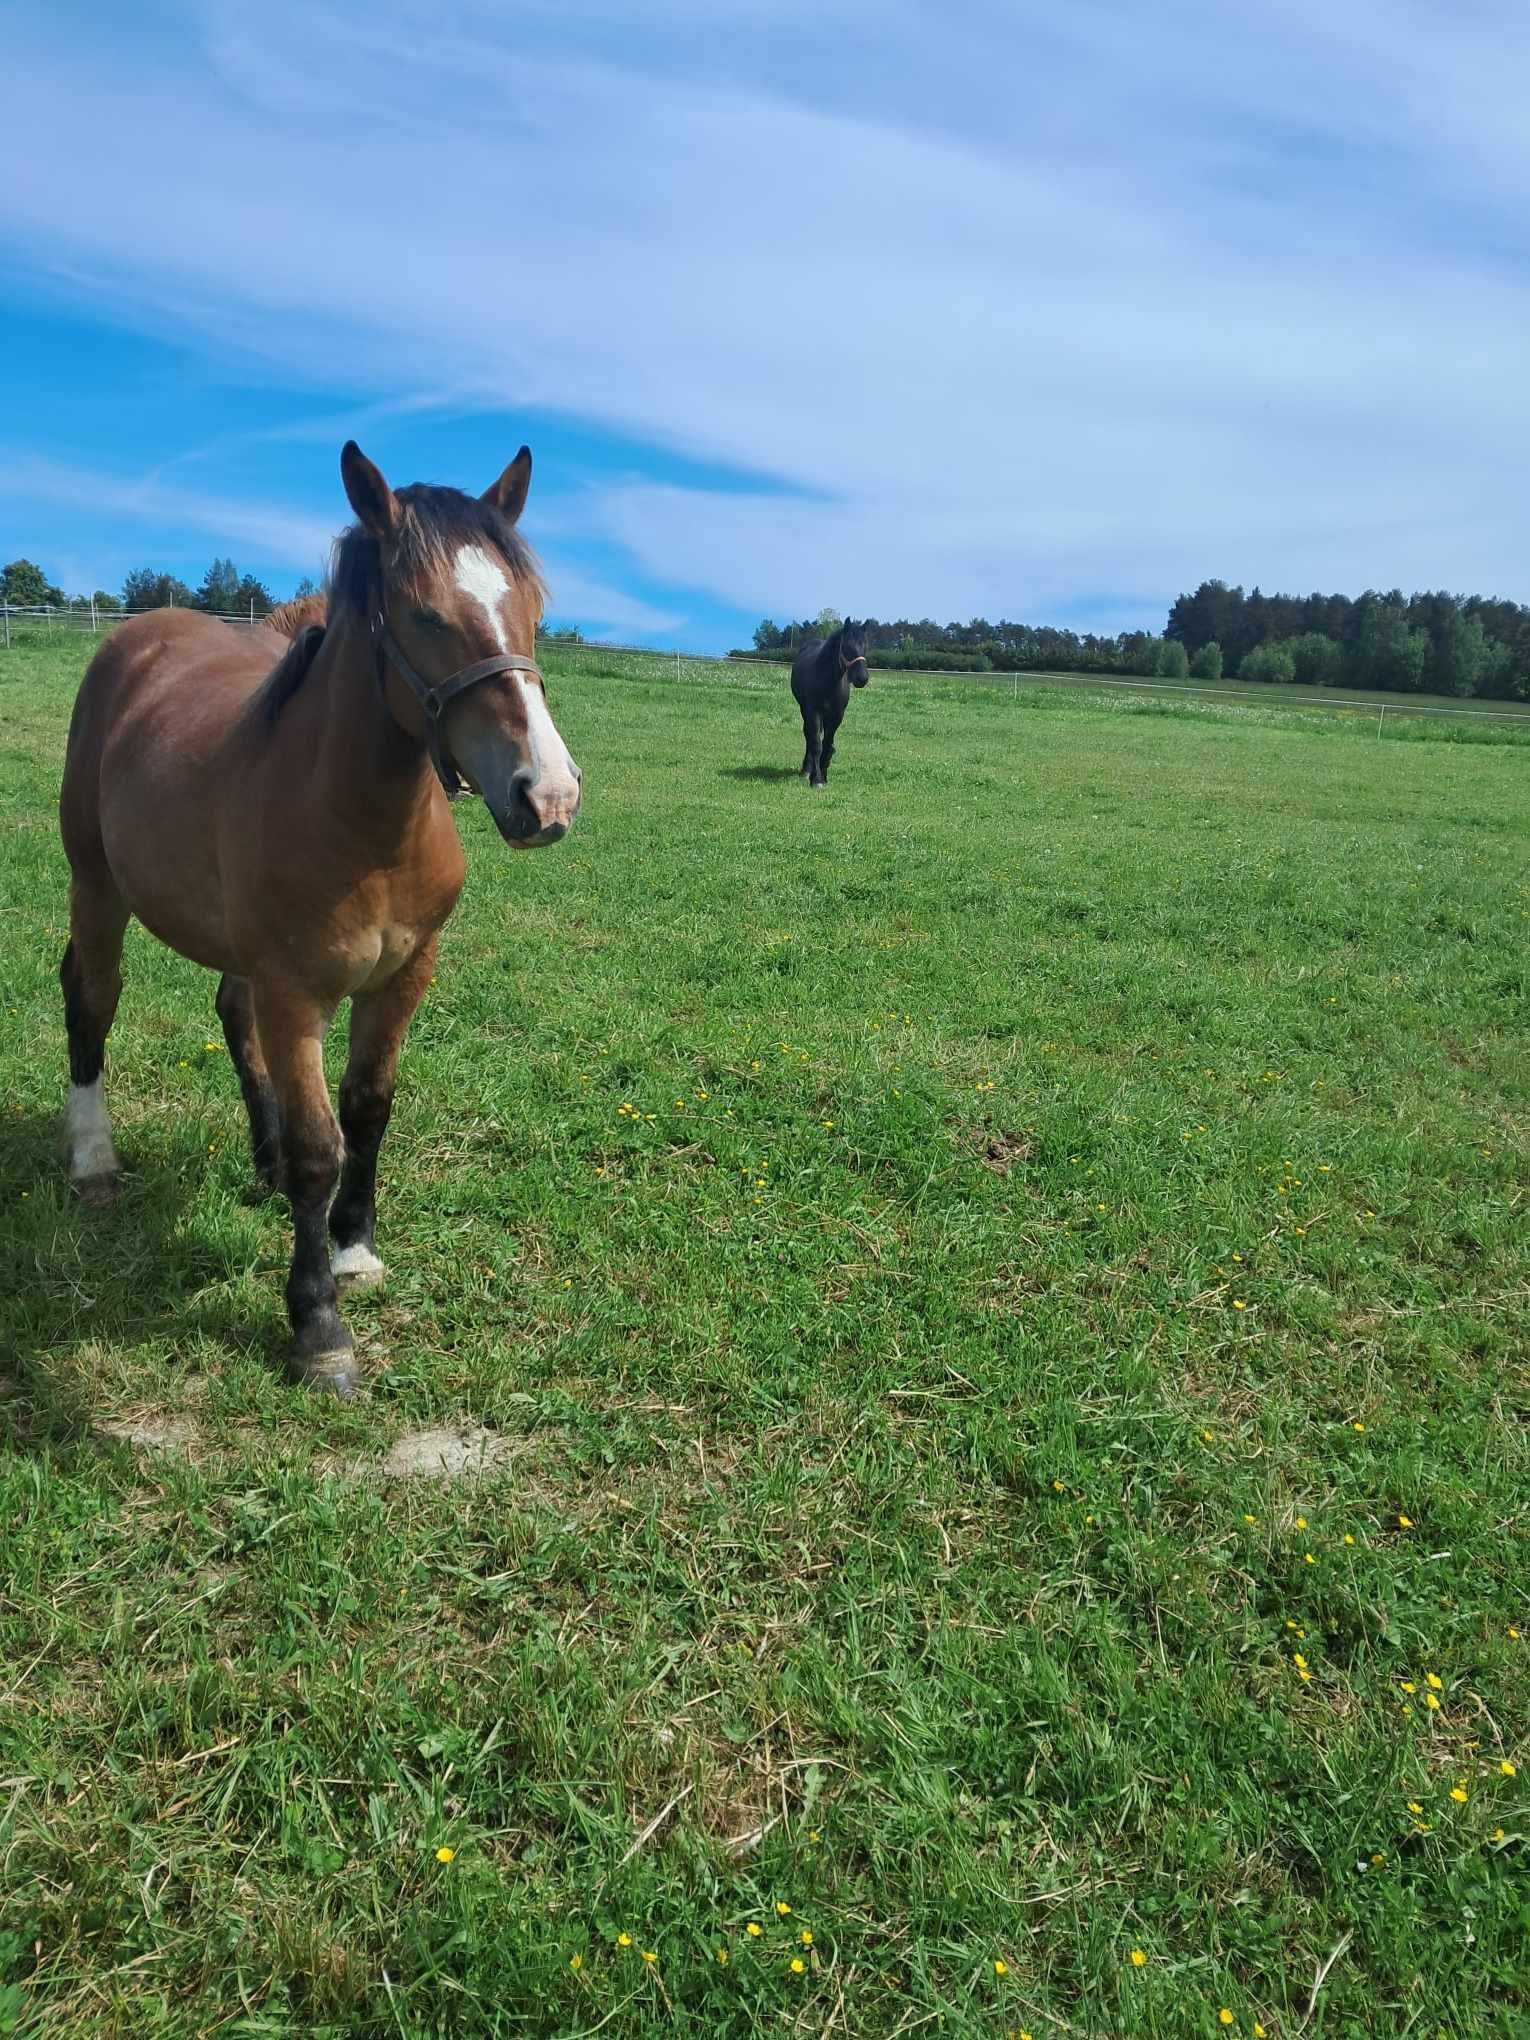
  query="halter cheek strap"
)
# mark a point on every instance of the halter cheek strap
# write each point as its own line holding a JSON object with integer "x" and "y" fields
{"x": 436, "y": 696}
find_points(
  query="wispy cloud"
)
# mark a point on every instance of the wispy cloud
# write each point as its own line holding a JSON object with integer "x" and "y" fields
{"x": 153, "y": 506}
{"x": 1017, "y": 301}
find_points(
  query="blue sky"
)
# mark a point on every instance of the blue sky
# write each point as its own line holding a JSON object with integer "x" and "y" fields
{"x": 981, "y": 307}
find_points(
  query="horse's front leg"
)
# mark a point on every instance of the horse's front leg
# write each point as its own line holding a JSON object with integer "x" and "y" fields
{"x": 378, "y": 1021}
{"x": 292, "y": 1026}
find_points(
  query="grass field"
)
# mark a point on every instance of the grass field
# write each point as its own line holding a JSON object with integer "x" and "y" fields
{"x": 998, "y": 1297}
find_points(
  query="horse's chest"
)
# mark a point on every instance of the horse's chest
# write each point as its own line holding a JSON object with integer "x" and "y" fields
{"x": 388, "y": 930}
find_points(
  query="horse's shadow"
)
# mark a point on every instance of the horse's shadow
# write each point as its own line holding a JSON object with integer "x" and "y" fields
{"x": 761, "y": 772}
{"x": 76, "y": 1276}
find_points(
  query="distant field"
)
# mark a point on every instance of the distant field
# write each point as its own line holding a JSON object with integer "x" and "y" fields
{"x": 1000, "y": 1295}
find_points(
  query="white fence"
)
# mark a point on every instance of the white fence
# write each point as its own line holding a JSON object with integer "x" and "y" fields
{"x": 87, "y": 619}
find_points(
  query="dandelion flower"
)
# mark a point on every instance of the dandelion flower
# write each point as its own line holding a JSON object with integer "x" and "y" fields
{"x": 1377, "y": 1861}
{"x": 1259, "y": 2032}
{"x": 1405, "y": 1522}
{"x": 1298, "y": 1659}
{"x": 797, "y": 1965}
{"x": 1208, "y": 1437}
{"x": 445, "y": 1855}
{"x": 576, "y": 1962}
{"x": 1057, "y": 1487}
{"x": 1251, "y": 1521}
{"x": 754, "y": 1930}
{"x": 1348, "y": 1539}
{"x": 722, "y": 1953}
{"x": 1458, "y": 1794}
{"x": 782, "y": 1908}
{"x": 1301, "y": 1522}
{"x": 1414, "y": 1807}
{"x": 1224, "y": 2017}
{"x": 1239, "y": 1304}
{"x": 1431, "y": 1703}
{"x": 1359, "y": 1427}
{"x": 1514, "y": 1633}
{"x": 1000, "y": 1968}
{"x": 1434, "y": 1682}
{"x": 1139, "y": 1960}
{"x": 1499, "y": 1835}
{"x": 1308, "y": 1559}
{"x": 624, "y": 1940}
{"x": 1509, "y": 1770}
{"x": 649, "y": 1956}
{"x": 1408, "y": 1686}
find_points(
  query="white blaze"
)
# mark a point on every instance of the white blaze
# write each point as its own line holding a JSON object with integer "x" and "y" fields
{"x": 90, "y": 1133}
{"x": 482, "y": 579}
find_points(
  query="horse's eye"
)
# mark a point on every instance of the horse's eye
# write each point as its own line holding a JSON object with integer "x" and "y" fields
{"x": 427, "y": 619}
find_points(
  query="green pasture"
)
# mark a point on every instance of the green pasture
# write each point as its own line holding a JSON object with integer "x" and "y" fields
{"x": 987, "y": 1311}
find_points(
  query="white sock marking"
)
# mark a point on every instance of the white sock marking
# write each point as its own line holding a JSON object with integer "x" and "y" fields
{"x": 90, "y": 1133}
{"x": 355, "y": 1260}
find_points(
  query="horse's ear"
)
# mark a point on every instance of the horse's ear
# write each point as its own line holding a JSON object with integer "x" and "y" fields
{"x": 508, "y": 494}
{"x": 374, "y": 503}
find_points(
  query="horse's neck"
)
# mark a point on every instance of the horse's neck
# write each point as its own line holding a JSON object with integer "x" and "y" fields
{"x": 364, "y": 764}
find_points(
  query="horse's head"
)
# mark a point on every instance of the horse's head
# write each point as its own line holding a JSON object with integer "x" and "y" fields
{"x": 452, "y": 598}
{"x": 852, "y": 653}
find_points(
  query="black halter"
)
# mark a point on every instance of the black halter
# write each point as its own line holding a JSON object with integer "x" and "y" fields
{"x": 436, "y": 696}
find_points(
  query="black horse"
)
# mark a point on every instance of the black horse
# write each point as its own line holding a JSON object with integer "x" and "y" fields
{"x": 823, "y": 672}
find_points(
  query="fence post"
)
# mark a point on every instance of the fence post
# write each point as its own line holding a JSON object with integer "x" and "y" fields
{"x": 7, "y": 609}
{"x": 677, "y": 665}
{"x": 1380, "y": 720}
{"x": 94, "y": 626}
{"x": 252, "y": 612}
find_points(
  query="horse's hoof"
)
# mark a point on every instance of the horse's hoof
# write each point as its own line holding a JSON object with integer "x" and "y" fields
{"x": 356, "y": 1267}
{"x": 96, "y": 1190}
{"x": 334, "y": 1373}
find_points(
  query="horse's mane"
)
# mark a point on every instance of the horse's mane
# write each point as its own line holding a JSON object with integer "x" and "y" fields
{"x": 434, "y": 525}
{"x": 291, "y": 617}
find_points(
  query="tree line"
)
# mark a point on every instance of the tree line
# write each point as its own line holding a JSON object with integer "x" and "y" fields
{"x": 223, "y": 591}
{"x": 1435, "y": 643}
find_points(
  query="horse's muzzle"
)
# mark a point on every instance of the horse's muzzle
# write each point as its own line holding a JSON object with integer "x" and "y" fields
{"x": 532, "y": 811}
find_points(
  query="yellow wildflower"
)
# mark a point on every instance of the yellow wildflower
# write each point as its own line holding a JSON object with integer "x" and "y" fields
{"x": 1458, "y": 1794}
{"x": 1139, "y": 1960}
{"x": 754, "y": 1930}
{"x": 782, "y": 1907}
{"x": 624, "y": 1940}
{"x": 1434, "y": 1682}
{"x": 1508, "y": 1769}
{"x": 445, "y": 1855}
{"x": 649, "y": 1956}
{"x": 797, "y": 1965}
{"x": 576, "y": 1962}
{"x": 1000, "y": 1968}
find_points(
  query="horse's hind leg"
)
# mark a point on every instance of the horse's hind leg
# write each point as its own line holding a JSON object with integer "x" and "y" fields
{"x": 91, "y": 976}
{"x": 236, "y": 1009}
{"x": 378, "y": 1021}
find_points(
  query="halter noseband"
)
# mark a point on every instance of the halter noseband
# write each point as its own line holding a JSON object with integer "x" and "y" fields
{"x": 436, "y": 696}
{"x": 859, "y": 660}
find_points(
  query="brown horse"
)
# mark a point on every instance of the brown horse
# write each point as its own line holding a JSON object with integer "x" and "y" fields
{"x": 286, "y": 824}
